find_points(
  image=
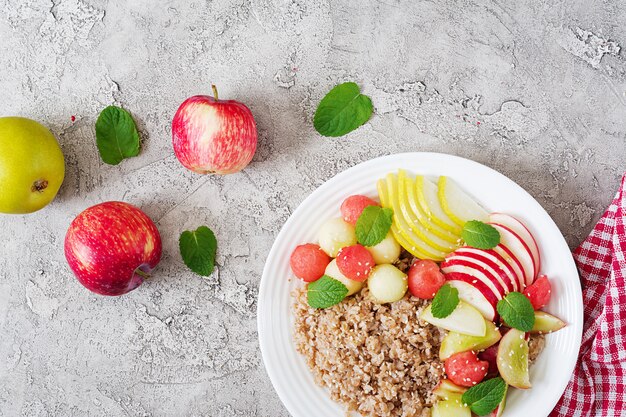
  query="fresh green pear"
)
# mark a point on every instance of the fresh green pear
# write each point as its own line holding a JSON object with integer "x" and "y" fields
{"x": 32, "y": 166}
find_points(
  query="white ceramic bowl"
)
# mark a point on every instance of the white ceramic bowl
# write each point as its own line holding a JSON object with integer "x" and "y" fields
{"x": 287, "y": 369}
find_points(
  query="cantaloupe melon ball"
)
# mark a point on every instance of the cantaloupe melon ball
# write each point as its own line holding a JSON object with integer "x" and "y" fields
{"x": 336, "y": 234}
{"x": 387, "y": 284}
{"x": 387, "y": 251}
{"x": 332, "y": 270}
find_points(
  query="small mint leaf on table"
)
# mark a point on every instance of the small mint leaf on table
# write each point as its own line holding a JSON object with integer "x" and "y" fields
{"x": 326, "y": 292}
{"x": 517, "y": 311}
{"x": 116, "y": 135}
{"x": 445, "y": 301}
{"x": 198, "y": 249}
{"x": 480, "y": 235}
{"x": 342, "y": 110}
{"x": 373, "y": 225}
{"x": 485, "y": 397}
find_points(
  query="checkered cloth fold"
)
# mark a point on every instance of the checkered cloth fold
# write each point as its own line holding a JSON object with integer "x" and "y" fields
{"x": 598, "y": 386}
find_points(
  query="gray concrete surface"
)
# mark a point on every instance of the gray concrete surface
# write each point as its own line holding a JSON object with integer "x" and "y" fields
{"x": 534, "y": 89}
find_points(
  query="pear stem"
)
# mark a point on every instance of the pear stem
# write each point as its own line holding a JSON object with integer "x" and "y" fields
{"x": 214, "y": 92}
{"x": 39, "y": 186}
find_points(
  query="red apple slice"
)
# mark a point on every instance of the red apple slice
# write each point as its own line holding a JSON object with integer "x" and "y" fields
{"x": 522, "y": 231}
{"x": 496, "y": 262}
{"x": 519, "y": 250}
{"x": 474, "y": 293}
{"x": 514, "y": 263}
{"x": 453, "y": 264}
{"x": 485, "y": 265}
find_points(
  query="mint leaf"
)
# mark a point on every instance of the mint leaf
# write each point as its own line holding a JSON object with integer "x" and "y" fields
{"x": 198, "y": 250}
{"x": 326, "y": 292}
{"x": 373, "y": 225}
{"x": 517, "y": 311}
{"x": 480, "y": 235}
{"x": 483, "y": 398}
{"x": 116, "y": 135}
{"x": 342, "y": 110}
{"x": 445, "y": 301}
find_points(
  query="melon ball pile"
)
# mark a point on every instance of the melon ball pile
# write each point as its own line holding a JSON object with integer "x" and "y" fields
{"x": 338, "y": 255}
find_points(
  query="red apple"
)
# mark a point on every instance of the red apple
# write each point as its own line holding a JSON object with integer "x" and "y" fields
{"x": 214, "y": 136}
{"x": 522, "y": 231}
{"x": 493, "y": 264}
{"x": 475, "y": 293}
{"x": 517, "y": 247}
{"x": 112, "y": 247}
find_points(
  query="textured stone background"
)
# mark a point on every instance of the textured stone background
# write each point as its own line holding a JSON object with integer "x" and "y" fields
{"x": 536, "y": 90}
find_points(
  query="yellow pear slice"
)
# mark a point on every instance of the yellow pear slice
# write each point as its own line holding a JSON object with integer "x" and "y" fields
{"x": 465, "y": 319}
{"x": 404, "y": 239}
{"x": 419, "y": 222}
{"x": 428, "y": 199}
{"x": 416, "y": 237}
{"x": 456, "y": 342}
{"x": 457, "y": 204}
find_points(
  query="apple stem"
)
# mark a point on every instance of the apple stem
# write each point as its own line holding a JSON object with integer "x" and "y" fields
{"x": 214, "y": 91}
{"x": 142, "y": 274}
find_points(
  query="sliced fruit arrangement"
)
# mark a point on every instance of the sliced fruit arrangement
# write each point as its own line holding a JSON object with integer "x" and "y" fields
{"x": 428, "y": 219}
{"x": 481, "y": 271}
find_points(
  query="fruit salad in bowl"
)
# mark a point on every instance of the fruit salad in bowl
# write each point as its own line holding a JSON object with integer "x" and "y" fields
{"x": 418, "y": 301}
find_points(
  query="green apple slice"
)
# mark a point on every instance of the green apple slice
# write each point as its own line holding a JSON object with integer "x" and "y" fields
{"x": 456, "y": 342}
{"x": 428, "y": 200}
{"x": 465, "y": 319}
{"x": 446, "y": 388}
{"x": 512, "y": 359}
{"x": 457, "y": 204}
{"x": 400, "y": 230}
{"x": 546, "y": 323}
{"x": 406, "y": 189}
{"x": 451, "y": 407}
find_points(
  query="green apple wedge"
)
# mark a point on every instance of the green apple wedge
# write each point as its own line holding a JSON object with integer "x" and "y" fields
{"x": 408, "y": 197}
{"x": 512, "y": 359}
{"x": 453, "y": 406}
{"x": 465, "y": 319}
{"x": 546, "y": 323}
{"x": 457, "y": 204}
{"x": 455, "y": 342}
{"x": 445, "y": 388}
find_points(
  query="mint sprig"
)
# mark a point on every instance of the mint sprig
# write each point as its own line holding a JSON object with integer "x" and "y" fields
{"x": 445, "y": 301}
{"x": 116, "y": 135}
{"x": 198, "y": 249}
{"x": 342, "y": 110}
{"x": 517, "y": 311}
{"x": 326, "y": 292}
{"x": 483, "y": 398}
{"x": 373, "y": 225}
{"x": 480, "y": 235}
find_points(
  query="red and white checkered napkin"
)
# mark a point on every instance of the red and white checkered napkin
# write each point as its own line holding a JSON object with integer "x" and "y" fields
{"x": 598, "y": 386}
